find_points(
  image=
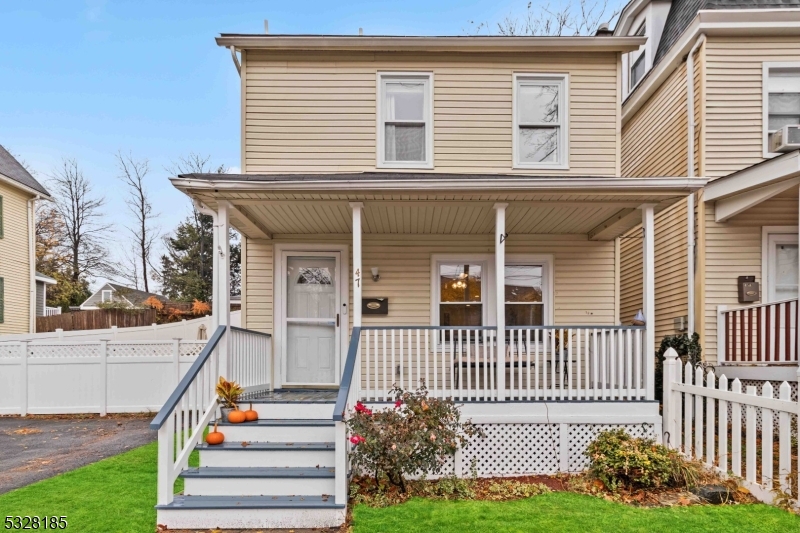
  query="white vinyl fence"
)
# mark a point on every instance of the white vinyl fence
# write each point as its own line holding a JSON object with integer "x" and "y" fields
{"x": 101, "y": 376}
{"x": 733, "y": 430}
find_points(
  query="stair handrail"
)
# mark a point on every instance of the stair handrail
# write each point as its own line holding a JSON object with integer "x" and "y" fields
{"x": 183, "y": 385}
{"x": 347, "y": 376}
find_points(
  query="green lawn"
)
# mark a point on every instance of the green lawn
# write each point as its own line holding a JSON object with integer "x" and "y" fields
{"x": 563, "y": 512}
{"x": 117, "y": 495}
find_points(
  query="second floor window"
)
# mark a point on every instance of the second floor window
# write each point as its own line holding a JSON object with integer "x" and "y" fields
{"x": 540, "y": 121}
{"x": 784, "y": 98}
{"x": 637, "y": 70}
{"x": 405, "y": 129}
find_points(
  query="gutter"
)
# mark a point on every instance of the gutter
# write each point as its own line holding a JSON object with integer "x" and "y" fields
{"x": 666, "y": 185}
{"x": 690, "y": 222}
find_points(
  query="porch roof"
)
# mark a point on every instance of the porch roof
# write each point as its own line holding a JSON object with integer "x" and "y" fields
{"x": 264, "y": 205}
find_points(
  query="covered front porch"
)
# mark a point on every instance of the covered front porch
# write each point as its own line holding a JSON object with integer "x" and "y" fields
{"x": 488, "y": 289}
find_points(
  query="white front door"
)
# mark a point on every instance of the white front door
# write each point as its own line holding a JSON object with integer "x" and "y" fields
{"x": 311, "y": 327}
{"x": 782, "y": 273}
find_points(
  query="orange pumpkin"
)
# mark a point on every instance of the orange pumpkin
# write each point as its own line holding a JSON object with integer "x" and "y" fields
{"x": 215, "y": 437}
{"x": 250, "y": 415}
{"x": 236, "y": 417}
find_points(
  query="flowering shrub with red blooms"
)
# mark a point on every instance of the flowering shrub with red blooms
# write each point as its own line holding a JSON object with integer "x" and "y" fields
{"x": 415, "y": 437}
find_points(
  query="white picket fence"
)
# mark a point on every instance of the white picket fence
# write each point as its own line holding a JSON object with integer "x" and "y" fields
{"x": 712, "y": 420}
{"x": 102, "y": 376}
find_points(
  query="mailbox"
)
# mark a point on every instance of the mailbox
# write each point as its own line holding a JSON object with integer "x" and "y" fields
{"x": 375, "y": 306}
{"x": 748, "y": 289}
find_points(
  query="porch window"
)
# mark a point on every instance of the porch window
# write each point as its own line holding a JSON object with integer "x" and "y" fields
{"x": 460, "y": 295}
{"x": 524, "y": 295}
{"x": 405, "y": 129}
{"x": 540, "y": 121}
{"x": 781, "y": 99}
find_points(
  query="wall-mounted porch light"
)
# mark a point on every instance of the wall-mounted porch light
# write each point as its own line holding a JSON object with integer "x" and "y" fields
{"x": 375, "y": 275}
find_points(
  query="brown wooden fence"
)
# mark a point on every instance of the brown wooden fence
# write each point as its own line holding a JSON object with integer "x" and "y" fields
{"x": 96, "y": 319}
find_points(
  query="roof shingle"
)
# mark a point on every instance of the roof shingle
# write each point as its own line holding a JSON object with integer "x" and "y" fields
{"x": 13, "y": 170}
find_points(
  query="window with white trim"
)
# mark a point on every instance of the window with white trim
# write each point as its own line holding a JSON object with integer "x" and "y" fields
{"x": 540, "y": 121}
{"x": 461, "y": 294}
{"x": 524, "y": 295}
{"x": 105, "y": 296}
{"x": 405, "y": 120}
{"x": 783, "y": 98}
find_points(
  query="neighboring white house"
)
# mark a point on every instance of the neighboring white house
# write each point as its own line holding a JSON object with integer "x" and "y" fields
{"x": 114, "y": 293}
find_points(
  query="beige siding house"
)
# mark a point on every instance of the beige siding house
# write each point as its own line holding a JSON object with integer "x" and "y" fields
{"x": 744, "y": 63}
{"x": 18, "y": 194}
{"x": 442, "y": 210}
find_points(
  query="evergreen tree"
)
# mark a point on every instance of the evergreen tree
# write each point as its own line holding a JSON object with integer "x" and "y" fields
{"x": 186, "y": 267}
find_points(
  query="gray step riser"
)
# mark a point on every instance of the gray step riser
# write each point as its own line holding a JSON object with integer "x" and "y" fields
{"x": 273, "y": 486}
{"x": 267, "y": 458}
{"x": 289, "y": 411}
{"x": 250, "y": 433}
{"x": 250, "y": 518}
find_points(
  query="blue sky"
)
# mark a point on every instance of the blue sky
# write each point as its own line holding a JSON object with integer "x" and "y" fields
{"x": 86, "y": 78}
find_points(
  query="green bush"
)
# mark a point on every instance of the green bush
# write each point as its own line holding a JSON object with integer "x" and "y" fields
{"x": 622, "y": 461}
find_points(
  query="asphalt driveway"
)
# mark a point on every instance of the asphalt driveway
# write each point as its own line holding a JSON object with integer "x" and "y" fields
{"x": 38, "y": 447}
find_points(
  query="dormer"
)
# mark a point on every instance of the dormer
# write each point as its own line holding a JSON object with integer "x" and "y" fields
{"x": 641, "y": 18}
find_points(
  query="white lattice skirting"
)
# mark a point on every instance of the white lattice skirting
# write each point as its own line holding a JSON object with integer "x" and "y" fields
{"x": 544, "y": 437}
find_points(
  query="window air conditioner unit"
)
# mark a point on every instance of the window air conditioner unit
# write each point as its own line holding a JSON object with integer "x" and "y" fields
{"x": 785, "y": 139}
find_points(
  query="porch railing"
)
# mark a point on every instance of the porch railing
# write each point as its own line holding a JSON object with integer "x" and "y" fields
{"x": 52, "y": 311}
{"x": 531, "y": 363}
{"x": 193, "y": 404}
{"x": 762, "y": 333}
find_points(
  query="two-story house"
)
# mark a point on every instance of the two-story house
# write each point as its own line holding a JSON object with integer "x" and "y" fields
{"x": 443, "y": 209}
{"x": 19, "y": 282}
{"x": 715, "y": 92}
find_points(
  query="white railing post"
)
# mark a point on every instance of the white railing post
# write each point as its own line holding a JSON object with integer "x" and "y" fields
{"x": 166, "y": 434}
{"x": 669, "y": 398}
{"x": 23, "y": 383}
{"x": 224, "y": 275}
{"x": 500, "y": 292}
{"x": 721, "y": 333}
{"x": 340, "y": 466}
{"x": 648, "y": 294}
{"x": 103, "y": 377}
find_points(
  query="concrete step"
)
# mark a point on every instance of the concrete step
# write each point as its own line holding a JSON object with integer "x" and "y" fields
{"x": 283, "y": 430}
{"x": 268, "y": 454}
{"x": 251, "y": 512}
{"x": 258, "y": 481}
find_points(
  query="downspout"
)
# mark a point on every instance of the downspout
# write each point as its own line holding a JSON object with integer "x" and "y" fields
{"x": 236, "y": 60}
{"x": 32, "y": 261}
{"x": 215, "y": 300}
{"x": 690, "y": 242}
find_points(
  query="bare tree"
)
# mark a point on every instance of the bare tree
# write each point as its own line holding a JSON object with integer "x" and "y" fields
{"x": 81, "y": 212}
{"x": 576, "y": 17}
{"x": 144, "y": 233}
{"x": 130, "y": 264}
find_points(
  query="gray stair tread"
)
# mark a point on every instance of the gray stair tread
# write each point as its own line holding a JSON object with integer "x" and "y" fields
{"x": 257, "y": 472}
{"x": 272, "y": 422}
{"x": 295, "y": 396}
{"x": 270, "y": 446}
{"x": 252, "y": 502}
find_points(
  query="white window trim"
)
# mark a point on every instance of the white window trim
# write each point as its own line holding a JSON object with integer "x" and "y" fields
{"x": 428, "y": 109}
{"x": 489, "y": 301}
{"x": 563, "y": 79}
{"x": 788, "y": 235}
{"x": 766, "y": 66}
{"x": 103, "y": 296}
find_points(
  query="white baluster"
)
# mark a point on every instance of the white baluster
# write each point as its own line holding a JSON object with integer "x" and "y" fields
{"x": 569, "y": 364}
{"x": 528, "y": 360}
{"x": 784, "y": 440}
{"x": 469, "y": 364}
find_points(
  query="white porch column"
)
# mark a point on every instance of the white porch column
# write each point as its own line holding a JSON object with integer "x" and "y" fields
{"x": 500, "y": 294}
{"x": 215, "y": 309}
{"x": 357, "y": 277}
{"x": 223, "y": 276}
{"x": 648, "y": 297}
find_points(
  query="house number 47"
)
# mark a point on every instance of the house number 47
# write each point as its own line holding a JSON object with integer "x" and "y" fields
{"x": 357, "y": 277}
